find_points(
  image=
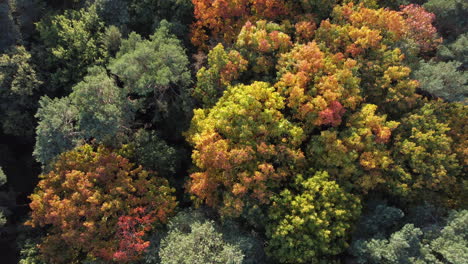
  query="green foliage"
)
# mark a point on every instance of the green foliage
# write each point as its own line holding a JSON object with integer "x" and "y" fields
{"x": 457, "y": 50}
{"x": 3, "y": 180}
{"x": 111, "y": 40}
{"x": 29, "y": 253}
{"x": 379, "y": 220}
{"x": 55, "y": 132}
{"x": 113, "y": 12}
{"x": 104, "y": 113}
{"x": 96, "y": 109}
{"x": 443, "y": 79}
{"x": 72, "y": 42}
{"x": 431, "y": 243}
{"x": 18, "y": 83}
{"x": 312, "y": 224}
{"x": 147, "y": 15}
{"x": 155, "y": 70}
{"x": 154, "y": 153}
{"x": 10, "y": 34}
{"x": 452, "y": 243}
{"x": 450, "y": 16}
{"x": 192, "y": 240}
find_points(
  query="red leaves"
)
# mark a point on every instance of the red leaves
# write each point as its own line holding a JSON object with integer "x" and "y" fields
{"x": 131, "y": 229}
{"x": 332, "y": 114}
{"x": 82, "y": 198}
{"x": 420, "y": 27}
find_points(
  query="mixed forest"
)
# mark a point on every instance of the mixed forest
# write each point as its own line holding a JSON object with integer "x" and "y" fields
{"x": 233, "y": 131}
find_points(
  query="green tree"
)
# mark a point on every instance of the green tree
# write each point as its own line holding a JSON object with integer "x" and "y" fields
{"x": 312, "y": 223}
{"x": 72, "y": 42}
{"x": 147, "y": 15}
{"x": 96, "y": 109}
{"x": 440, "y": 241}
{"x": 155, "y": 71}
{"x": 10, "y": 33}
{"x": 450, "y": 16}
{"x": 104, "y": 113}
{"x": 55, "y": 132}
{"x": 195, "y": 239}
{"x": 154, "y": 153}
{"x": 18, "y": 85}
{"x": 443, "y": 79}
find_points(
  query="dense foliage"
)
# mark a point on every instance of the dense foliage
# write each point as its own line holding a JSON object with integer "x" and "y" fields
{"x": 306, "y": 131}
{"x": 97, "y": 203}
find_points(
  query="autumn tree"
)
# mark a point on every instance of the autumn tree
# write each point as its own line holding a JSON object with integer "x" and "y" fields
{"x": 222, "y": 20}
{"x": 96, "y": 204}
{"x": 244, "y": 149}
{"x": 222, "y": 70}
{"x": 312, "y": 221}
{"x": 357, "y": 157}
{"x": 427, "y": 164}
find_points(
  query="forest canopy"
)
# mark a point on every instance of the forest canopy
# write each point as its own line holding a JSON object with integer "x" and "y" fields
{"x": 233, "y": 131}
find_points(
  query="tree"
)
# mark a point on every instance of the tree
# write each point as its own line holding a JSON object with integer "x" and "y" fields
{"x": 96, "y": 203}
{"x": 18, "y": 85}
{"x": 244, "y": 149}
{"x": 55, "y": 132}
{"x": 312, "y": 223}
{"x": 455, "y": 51}
{"x": 413, "y": 243}
{"x": 443, "y": 79}
{"x": 426, "y": 161}
{"x": 221, "y": 20}
{"x": 357, "y": 157}
{"x": 72, "y": 43}
{"x": 450, "y": 16}
{"x": 223, "y": 69}
{"x": 194, "y": 239}
{"x": 318, "y": 88}
{"x": 10, "y": 33}
{"x": 96, "y": 109}
{"x": 155, "y": 71}
{"x": 147, "y": 15}
{"x": 154, "y": 153}
{"x": 104, "y": 112}
{"x": 420, "y": 28}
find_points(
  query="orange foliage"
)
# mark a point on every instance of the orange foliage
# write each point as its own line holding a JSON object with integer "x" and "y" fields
{"x": 91, "y": 200}
{"x": 318, "y": 86}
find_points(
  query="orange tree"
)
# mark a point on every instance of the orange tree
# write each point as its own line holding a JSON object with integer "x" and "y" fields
{"x": 345, "y": 85}
{"x": 244, "y": 147}
{"x": 96, "y": 204}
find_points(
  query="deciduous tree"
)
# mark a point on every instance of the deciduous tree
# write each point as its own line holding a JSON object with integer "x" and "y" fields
{"x": 95, "y": 203}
